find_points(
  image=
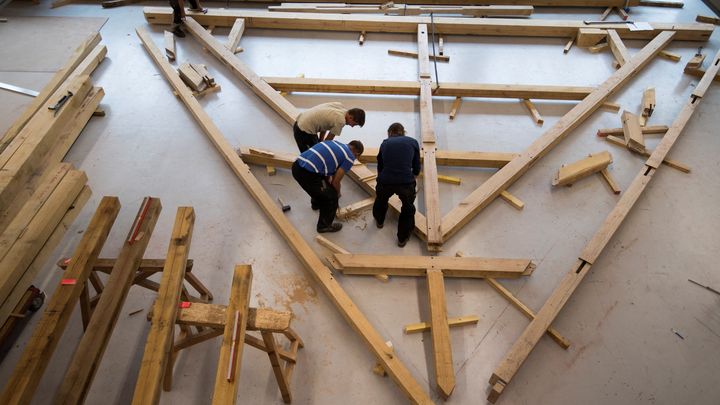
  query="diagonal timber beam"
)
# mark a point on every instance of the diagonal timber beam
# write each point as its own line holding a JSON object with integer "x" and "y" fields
{"x": 416, "y": 266}
{"x": 485, "y": 194}
{"x": 526, "y": 342}
{"x": 440, "y": 330}
{"x": 408, "y": 24}
{"x": 309, "y": 259}
{"x": 455, "y": 158}
{"x": 412, "y": 88}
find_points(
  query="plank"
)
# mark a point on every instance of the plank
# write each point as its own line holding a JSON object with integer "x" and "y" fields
{"x": 160, "y": 338}
{"x": 485, "y": 194}
{"x": 598, "y": 48}
{"x": 594, "y": 163}
{"x": 312, "y": 263}
{"x": 569, "y": 45}
{"x": 46, "y": 335}
{"x": 605, "y": 13}
{"x": 170, "y": 46}
{"x": 522, "y": 347}
{"x": 58, "y": 78}
{"x": 215, "y": 316}
{"x": 706, "y": 19}
{"x": 442, "y": 350}
{"x": 277, "y": 102}
{"x": 615, "y": 107}
{"x": 455, "y": 106}
{"x": 228, "y": 369}
{"x": 452, "y": 322}
{"x": 454, "y": 158}
{"x": 89, "y": 352}
{"x": 542, "y": 3}
{"x": 707, "y": 79}
{"x": 668, "y": 162}
{"x": 534, "y": 113}
{"x": 617, "y": 47}
{"x": 633, "y": 134}
{"x": 398, "y": 9}
{"x": 646, "y": 130}
{"x": 412, "y": 88}
{"x": 191, "y": 77}
{"x": 412, "y": 54}
{"x": 408, "y": 24}
{"x": 661, "y": 3}
{"x": 610, "y": 180}
{"x": 416, "y": 266}
{"x": 236, "y": 34}
{"x": 512, "y": 200}
{"x": 671, "y": 56}
{"x": 355, "y": 208}
{"x": 587, "y": 37}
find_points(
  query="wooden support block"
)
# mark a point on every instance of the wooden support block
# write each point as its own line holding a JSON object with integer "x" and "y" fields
{"x": 361, "y": 38}
{"x": 210, "y": 29}
{"x": 569, "y": 174}
{"x": 605, "y": 13}
{"x": 191, "y": 77}
{"x": 440, "y": 330}
{"x": 512, "y": 200}
{"x": 353, "y": 209}
{"x": 615, "y": 107}
{"x": 452, "y": 322}
{"x": 99, "y": 112}
{"x": 598, "y": 48}
{"x": 706, "y": 19}
{"x": 228, "y": 370}
{"x": 211, "y": 89}
{"x": 397, "y": 52}
{"x": 170, "y": 46}
{"x": 569, "y": 45}
{"x": 669, "y": 55}
{"x": 160, "y": 338}
{"x": 632, "y": 131}
{"x": 46, "y": 335}
{"x": 648, "y": 102}
{"x": 623, "y": 14}
{"x": 647, "y": 130}
{"x": 447, "y": 179}
{"x": 533, "y": 112}
{"x": 270, "y": 170}
{"x": 590, "y": 36}
{"x": 617, "y": 47}
{"x": 610, "y": 181}
{"x": 696, "y": 61}
{"x": 236, "y": 33}
{"x": 455, "y": 106}
{"x": 89, "y": 352}
{"x": 667, "y": 161}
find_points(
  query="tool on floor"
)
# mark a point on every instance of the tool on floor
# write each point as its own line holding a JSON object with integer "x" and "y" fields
{"x": 589, "y": 22}
{"x": 677, "y": 333}
{"x": 705, "y": 286}
{"x": 285, "y": 207}
{"x": 61, "y": 102}
{"x": 18, "y": 89}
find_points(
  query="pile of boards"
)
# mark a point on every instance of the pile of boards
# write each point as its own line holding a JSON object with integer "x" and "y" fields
{"x": 40, "y": 196}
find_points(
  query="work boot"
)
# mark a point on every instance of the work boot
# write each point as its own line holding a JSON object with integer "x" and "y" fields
{"x": 379, "y": 224}
{"x": 402, "y": 243}
{"x": 199, "y": 10}
{"x": 332, "y": 228}
{"x": 178, "y": 31}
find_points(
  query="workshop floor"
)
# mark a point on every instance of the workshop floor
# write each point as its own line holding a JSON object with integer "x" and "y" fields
{"x": 619, "y": 320}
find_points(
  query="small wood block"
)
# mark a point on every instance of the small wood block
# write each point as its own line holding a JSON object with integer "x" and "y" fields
{"x": 452, "y": 322}
{"x": 610, "y": 106}
{"x": 569, "y": 174}
{"x": 270, "y": 170}
{"x": 649, "y": 130}
{"x": 590, "y": 36}
{"x": 361, "y": 39}
{"x": 598, "y": 48}
{"x": 623, "y": 14}
{"x": 706, "y": 19}
{"x": 610, "y": 181}
{"x": 533, "y": 112}
{"x": 442, "y": 46}
{"x": 256, "y": 151}
{"x": 512, "y": 200}
{"x": 569, "y": 45}
{"x": 455, "y": 106}
{"x": 170, "y": 46}
{"x": 696, "y": 62}
{"x": 191, "y": 77}
{"x": 605, "y": 13}
{"x": 379, "y": 370}
{"x": 669, "y": 55}
{"x": 496, "y": 391}
{"x": 99, "y": 112}
{"x": 648, "y": 102}
{"x": 632, "y": 131}
{"x": 238, "y": 49}
{"x": 412, "y": 54}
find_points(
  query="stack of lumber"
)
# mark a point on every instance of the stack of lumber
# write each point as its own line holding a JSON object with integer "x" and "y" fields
{"x": 40, "y": 196}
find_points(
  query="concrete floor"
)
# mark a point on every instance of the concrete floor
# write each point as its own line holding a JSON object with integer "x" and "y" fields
{"x": 619, "y": 320}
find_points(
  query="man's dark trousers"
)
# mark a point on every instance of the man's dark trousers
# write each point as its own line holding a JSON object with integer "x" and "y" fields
{"x": 304, "y": 140}
{"x": 406, "y": 192}
{"x": 177, "y": 9}
{"x": 323, "y": 195}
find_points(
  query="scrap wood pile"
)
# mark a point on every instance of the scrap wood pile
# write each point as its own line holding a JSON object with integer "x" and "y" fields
{"x": 40, "y": 196}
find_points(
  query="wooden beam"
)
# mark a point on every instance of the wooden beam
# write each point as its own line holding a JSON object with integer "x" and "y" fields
{"x": 452, "y": 322}
{"x": 668, "y": 162}
{"x": 617, "y": 47}
{"x": 408, "y": 24}
{"x": 669, "y": 55}
{"x": 485, "y": 194}
{"x": 707, "y": 79}
{"x": 648, "y": 130}
{"x": 442, "y": 350}
{"x": 312, "y": 263}
{"x": 355, "y": 208}
{"x": 46, "y": 335}
{"x": 160, "y": 338}
{"x": 594, "y": 163}
{"x": 170, "y": 46}
{"x": 236, "y": 33}
{"x": 523, "y": 346}
{"x": 706, "y": 19}
{"x": 58, "y": 79}
{"x": 228, "y": 370}
{"x": 569, "y": 44}
{"x": 89, "y": 352}
{"x": 587, "y": 37}
{"x": 416, "y": 266}
{"x": 398, "y": 52}
{"x": 534, "y": 113}
{"x": 539, "y": 3}
{"x": 633, "y": 134}
{"x": 412, "y": 88}
{"x": 610, "y": 180}
{"x": 405, "y": 10}
{"x": 454, "y": 109}
{"x": 512, "y": 200}
{"x": 661, "y": 3}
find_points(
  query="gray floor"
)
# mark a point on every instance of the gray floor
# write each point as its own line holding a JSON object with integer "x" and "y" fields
{"x": 619, "y": 319}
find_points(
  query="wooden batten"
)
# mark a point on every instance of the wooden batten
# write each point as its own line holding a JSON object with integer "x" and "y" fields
{"x": 573, "y": 172}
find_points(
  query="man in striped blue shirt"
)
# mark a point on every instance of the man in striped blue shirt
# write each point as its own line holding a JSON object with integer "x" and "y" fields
{"x": 319, "y": 171}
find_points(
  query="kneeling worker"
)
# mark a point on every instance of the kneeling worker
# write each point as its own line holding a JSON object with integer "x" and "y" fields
{"x": 327, "y": 119}
{"x": 319, "y": 171}
{"x": 398, "y": 162}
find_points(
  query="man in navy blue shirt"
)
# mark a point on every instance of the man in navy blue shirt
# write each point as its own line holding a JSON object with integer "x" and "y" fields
{"x": 319, "y": 170}
{"x": 398, "y": 162}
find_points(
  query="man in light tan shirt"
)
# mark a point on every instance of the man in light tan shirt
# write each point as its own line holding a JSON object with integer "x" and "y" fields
{"x": 323, "y": 123}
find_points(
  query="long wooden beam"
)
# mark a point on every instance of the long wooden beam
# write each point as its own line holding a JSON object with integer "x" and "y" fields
{"x": 89, "y": 352}
{"x": 405, "y": 10}
{"x": 455, "y": 158}
{"x": 160, "y": 338}
{"x": 440, "y": 330}
{"x": 485, "y": 194}
{"x": 524, "y": 345}
{"x": 310, "y": 260}
{"x": 412, "y": 88}
{"x": 416, "y": 266}
{"x": 443, "y": 25}
{"x": 42, "y": 344}
{"x": 543, "y": 3}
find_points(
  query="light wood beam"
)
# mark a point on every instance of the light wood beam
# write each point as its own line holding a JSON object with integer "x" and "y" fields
{"x": 442, "y": 350}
